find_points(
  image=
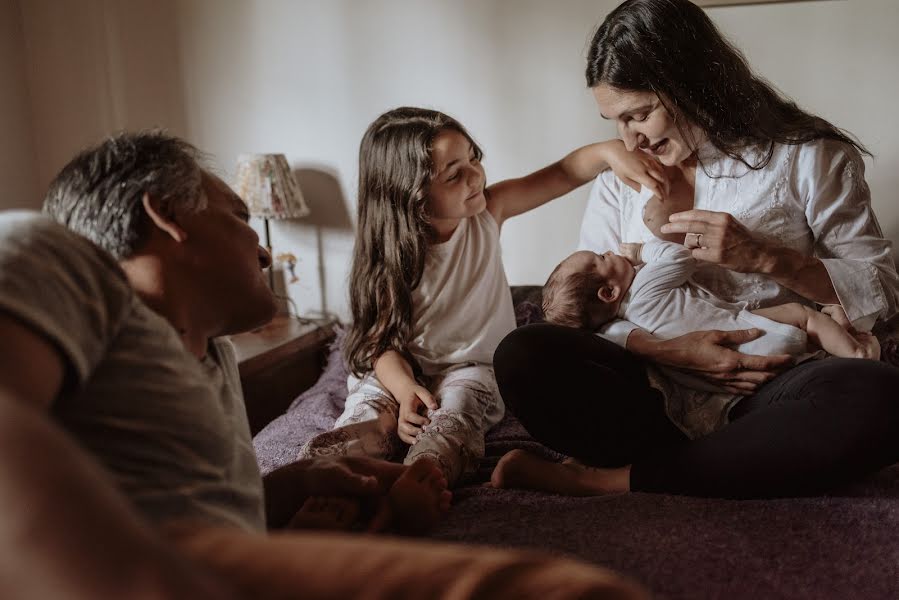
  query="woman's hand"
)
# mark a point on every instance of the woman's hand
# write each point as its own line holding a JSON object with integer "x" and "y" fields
{"x": 412, "y": 399}
{"x": 636, "y": 169}
{"x": 717, "y": 237}
{"x": 709, "y": 354}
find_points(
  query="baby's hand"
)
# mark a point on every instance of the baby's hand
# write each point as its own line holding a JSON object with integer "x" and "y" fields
{"x": 636, "y": 169}
{"x": 869, "y": 345}
{"x": 631, "y": 251}
{"x": 412, "y": 400}
{"x": 836, "y": 312}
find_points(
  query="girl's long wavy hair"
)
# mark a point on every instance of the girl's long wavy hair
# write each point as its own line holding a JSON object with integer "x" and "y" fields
{"x": 672, "y": 48}
{"x": 395, "y": 171}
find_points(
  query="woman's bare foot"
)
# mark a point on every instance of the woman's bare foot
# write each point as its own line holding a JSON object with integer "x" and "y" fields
{"x": 415, "y": 501}
{"x": 321, "y": 512}
{"x": 521, "y": 469}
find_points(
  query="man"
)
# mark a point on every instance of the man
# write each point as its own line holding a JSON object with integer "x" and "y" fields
{"x": 126, "y": 468}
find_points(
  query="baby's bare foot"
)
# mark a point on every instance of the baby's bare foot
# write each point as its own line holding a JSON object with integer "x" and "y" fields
{"x": 869, "y": 345}
{"x": 417, "y": 499}
{"x": 521, "y": 469}
{"x": 320, "y": 512}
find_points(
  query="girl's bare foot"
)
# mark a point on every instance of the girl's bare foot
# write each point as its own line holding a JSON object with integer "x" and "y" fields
{"x": 415, "y": 501}
{"x": 320, "y": 512}
{"x": 521, "y": 469}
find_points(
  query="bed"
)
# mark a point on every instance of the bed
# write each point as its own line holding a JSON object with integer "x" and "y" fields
{"x": 844, "y": 545}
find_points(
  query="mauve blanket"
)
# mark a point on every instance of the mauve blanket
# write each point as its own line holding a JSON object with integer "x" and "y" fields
{"x": 841, "y": 546}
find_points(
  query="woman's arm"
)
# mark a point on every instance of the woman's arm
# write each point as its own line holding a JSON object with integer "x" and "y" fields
{"x": 710, "y": 354}
{"x": 395, "y": 373}
{"x": 515, "y": 196}
{"x": 852, "y": 265}
{"x": 727, "y": 243}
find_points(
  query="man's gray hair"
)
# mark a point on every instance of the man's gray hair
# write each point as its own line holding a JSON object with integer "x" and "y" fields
{"x": 99, "y": 193}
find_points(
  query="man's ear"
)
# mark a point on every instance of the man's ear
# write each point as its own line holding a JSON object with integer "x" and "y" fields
{"x": 166, "y": 224}
{"x": 608, "y": 293}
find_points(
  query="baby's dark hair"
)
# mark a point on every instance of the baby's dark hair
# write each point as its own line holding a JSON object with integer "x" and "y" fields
{"x": 571, "y": 300}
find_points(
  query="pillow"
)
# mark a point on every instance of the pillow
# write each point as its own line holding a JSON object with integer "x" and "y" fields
{"x": 528, "y": 301}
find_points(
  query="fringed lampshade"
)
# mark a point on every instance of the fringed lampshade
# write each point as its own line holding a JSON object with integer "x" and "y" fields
{"x": 266, "y": 184}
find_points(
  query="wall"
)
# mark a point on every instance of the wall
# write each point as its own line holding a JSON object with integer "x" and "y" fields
{"x": 17, "y": 155}
{"x": 305, "y": 77}
{"x": 96, "y": 67}
{"x": 836, "y": 58}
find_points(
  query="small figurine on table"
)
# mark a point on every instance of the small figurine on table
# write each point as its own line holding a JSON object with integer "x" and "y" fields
{"x": 290, "y": 262}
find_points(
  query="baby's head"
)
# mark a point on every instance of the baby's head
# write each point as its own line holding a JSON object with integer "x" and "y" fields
{"x": 585, "y": 289}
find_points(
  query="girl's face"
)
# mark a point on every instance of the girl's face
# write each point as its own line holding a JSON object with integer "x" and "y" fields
{"x": 644, "y": 124}
{"x": 457, "y": 187}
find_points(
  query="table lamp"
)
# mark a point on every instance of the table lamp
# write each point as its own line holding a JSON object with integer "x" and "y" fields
{"x": 266, "y": 183}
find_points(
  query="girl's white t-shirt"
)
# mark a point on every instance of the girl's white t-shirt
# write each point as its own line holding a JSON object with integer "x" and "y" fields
{"x": 462, "y": 308}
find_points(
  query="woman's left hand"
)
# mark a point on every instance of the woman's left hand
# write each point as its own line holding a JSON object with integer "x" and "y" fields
{"x": 717, "y": 237}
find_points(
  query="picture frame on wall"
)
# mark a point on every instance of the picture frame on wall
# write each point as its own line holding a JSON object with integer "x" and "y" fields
{"x": 710, "y": 3}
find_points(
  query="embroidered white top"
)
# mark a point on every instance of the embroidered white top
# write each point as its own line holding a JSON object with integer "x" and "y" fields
{"x": 812, "y": 198}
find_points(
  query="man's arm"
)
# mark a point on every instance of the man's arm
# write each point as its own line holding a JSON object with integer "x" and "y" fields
{"x": 65, "y": 530}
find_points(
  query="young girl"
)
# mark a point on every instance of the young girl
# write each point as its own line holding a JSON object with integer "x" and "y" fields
{"x": 428, "y": 291}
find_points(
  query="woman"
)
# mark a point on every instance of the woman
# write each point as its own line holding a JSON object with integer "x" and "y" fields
{"x": 780, "y": 212}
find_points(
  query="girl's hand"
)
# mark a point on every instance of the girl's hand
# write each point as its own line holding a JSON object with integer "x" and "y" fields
{"x": 412, "y": 400}
{"x": 710, "y": 355}
{"x": 636, "y": 169}
{"x": 717, "y": 237}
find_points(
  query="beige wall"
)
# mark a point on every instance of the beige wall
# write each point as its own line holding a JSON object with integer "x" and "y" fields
{"x": 96, "y": 67}
{"x": 17, "y": 156}
{"x": 305, "y": 77}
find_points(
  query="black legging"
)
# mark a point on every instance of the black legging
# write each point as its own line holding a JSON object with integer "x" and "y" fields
{"x": 818, "y": 425}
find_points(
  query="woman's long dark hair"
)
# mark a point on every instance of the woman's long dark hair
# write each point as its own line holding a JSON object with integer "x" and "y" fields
{"x": 395, "y": 170}
{"x": 672, "y": 48}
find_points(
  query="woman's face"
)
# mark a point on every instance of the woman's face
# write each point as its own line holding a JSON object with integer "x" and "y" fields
{"x": 644, "y": 123}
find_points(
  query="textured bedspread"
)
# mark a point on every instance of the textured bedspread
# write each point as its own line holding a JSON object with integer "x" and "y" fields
{"x": 842, "y": 546}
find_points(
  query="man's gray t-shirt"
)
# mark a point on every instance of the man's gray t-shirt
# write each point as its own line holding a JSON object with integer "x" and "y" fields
{"x": 171, "y": 429}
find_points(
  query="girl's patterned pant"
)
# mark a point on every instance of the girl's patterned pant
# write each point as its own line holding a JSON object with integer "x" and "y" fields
{"x": 469, "y": 404}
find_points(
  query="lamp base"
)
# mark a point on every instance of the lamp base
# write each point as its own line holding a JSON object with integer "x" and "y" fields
{"x": 278, "y": 284}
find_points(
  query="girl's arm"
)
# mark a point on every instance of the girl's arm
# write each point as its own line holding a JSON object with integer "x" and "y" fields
{"x": 515, "y": 196}
{"x": 395, "y": 373}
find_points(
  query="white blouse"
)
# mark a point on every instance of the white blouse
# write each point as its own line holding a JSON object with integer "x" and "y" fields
{"x": 811, "y": 197}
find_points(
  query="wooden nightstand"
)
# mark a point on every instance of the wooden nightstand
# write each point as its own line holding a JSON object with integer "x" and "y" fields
{"x": 278, "y": 362}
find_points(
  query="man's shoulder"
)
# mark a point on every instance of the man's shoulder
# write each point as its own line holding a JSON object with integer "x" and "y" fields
{"x": 22, "y": 225}
{"x": 62, "y": 286}
{"x": 28, "y": 234}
